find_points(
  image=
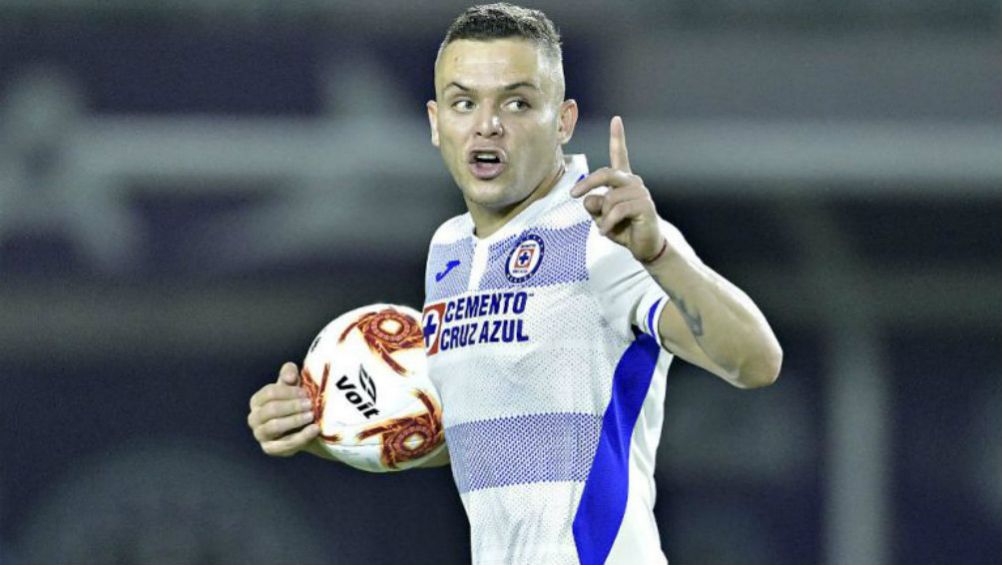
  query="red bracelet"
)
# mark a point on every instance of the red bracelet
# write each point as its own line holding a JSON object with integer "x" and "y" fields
{"x": 664, "y": 247}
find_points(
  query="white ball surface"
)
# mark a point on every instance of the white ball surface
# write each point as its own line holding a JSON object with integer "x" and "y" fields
{"x": 367, "y": 374}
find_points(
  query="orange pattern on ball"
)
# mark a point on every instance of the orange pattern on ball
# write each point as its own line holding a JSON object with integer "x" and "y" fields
{"x": 398, "y": 434}
{"x": 387, "y": 332}
{"x": 316, "y": 392}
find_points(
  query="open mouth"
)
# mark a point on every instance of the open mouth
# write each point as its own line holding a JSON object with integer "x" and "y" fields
{"x": 486, "y": 164}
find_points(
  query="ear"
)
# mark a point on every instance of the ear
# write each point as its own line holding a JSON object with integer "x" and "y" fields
{"x": 433, "y": 121}
{"x": 568, "y": 119}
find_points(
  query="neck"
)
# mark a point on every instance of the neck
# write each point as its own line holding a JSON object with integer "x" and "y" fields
{"x": 488, "y": 221}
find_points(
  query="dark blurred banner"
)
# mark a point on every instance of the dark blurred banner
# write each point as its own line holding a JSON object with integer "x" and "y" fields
{"x": 190, "y": 190}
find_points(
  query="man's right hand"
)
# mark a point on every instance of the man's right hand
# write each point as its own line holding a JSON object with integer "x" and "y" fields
{"x": 279, "y": 412}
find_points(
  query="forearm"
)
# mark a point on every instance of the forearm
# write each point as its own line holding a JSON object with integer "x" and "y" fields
{"x": 724, "y": 323}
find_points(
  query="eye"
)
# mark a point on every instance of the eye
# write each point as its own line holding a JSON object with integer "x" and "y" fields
{"x": 517, "y": 105}
{"x": 463, "y": 105}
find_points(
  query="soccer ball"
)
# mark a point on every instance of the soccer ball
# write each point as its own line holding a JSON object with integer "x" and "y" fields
{"x": 367, "y": 375}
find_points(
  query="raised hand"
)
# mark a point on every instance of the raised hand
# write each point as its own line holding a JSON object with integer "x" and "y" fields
{"x": 281, "y": 415}
{"x": 625, "y": 213}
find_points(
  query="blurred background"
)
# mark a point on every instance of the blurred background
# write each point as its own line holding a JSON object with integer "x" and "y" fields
{"x": 190, "y": 190}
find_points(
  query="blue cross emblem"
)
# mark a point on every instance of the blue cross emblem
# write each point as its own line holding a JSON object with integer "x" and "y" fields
{"x": 430, "y": 327}
{"x": 523, "y": 258}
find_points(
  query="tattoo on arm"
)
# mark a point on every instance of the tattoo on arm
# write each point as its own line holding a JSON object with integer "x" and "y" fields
{"x": 693, "y": 319}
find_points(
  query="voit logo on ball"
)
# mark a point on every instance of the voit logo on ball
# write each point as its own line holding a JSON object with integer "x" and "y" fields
{"x": 350, "y": 391}
{"x": 525, "y": 258}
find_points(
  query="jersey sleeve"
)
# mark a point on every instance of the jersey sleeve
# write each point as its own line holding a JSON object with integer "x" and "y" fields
{"x": 427, "y": 264}
{"x": 628, "y": 295}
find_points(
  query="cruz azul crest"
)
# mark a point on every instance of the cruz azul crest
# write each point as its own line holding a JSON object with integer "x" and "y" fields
{"x": 525, "y": 258}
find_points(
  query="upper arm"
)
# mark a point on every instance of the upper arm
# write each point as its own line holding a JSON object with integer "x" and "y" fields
{"x": 677, "y": 338}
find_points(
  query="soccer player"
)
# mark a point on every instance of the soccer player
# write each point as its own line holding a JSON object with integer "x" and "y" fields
{"x": 553, "y": 309}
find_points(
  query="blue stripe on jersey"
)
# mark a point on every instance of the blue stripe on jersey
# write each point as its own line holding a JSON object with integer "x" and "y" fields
{"x": 522, "y": 449}
{"x": 562, "y": 262}
{"x": 650, "y": 318}
{"x": 454, "y": 280}
{"x": 603, "y": 502}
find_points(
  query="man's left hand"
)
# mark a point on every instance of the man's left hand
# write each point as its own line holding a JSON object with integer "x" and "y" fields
{"x": 626, "y": 213}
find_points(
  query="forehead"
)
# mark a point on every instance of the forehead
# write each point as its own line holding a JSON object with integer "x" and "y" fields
{"x": 484, "y": 65}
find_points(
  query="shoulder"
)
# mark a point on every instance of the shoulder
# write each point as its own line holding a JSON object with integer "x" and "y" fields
{"x": 606, "y": 255}
{"x": 562, "y": 210}
{"x": 455, "y": 228}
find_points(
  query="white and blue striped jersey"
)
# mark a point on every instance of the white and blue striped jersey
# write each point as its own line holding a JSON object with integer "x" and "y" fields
{"x": 542, "y": 342}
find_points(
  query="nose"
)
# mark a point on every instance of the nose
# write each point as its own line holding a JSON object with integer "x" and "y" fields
{"x": 489, "y": 123}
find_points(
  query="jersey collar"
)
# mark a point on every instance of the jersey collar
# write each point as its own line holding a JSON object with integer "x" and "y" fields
{"x": 575, "y": 168}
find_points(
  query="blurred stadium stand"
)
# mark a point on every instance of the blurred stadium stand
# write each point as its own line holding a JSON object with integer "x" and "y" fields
{"x": 190, "y": 190}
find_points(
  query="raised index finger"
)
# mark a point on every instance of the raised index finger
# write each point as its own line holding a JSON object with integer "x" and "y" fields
{"x": 619, "y": 158}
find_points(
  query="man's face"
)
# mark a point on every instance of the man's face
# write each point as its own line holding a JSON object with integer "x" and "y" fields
{"x": 498, "y": 119}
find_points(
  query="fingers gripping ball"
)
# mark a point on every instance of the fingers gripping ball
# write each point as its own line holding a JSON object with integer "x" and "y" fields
{"x": 367, "y": 376}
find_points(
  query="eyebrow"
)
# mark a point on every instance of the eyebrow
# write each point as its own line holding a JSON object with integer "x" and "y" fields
{"x": 506, "y": 88}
